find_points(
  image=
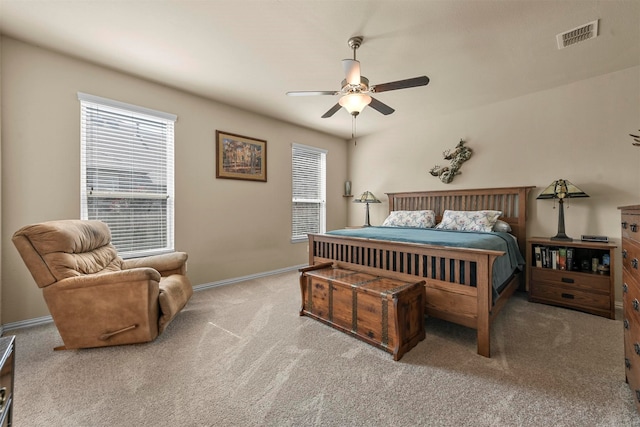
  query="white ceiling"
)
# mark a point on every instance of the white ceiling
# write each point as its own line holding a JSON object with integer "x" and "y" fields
{"x": 250, "y": 53}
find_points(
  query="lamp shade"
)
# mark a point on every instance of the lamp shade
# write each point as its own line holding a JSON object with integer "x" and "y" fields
{"x": 366, "y": 197}
{"x": 354, "y": 103}
{"x": 561, "y": 189}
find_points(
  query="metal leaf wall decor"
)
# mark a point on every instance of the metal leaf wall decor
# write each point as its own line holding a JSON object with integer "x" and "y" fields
{"x": 457, "y": 157}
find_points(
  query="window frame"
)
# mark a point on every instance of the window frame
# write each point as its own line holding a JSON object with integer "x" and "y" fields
{"x": 126, "y": 181}
{"x": 321, "y": 200}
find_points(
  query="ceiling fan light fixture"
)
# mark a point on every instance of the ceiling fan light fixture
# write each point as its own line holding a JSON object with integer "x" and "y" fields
{"x": 354, "y": 103}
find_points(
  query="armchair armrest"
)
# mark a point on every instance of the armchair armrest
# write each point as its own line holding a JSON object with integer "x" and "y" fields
{"x": 123, "y": 277}
{"x": 165, "y": 264}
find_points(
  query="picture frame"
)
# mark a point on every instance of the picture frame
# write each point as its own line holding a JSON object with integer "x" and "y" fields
{"x": 240, "y": 157}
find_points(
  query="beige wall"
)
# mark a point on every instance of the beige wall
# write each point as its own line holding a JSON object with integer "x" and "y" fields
{"x": 229, "y": 228}
{"x": 235, "y": 228}
{"x": 577, "y": 132}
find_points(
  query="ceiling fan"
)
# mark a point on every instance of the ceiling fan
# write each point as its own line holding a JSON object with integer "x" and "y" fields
{"x": 356, "y": 90}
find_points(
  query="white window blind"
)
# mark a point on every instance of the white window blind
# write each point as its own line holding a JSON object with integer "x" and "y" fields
{"x": 127, "y": 173}
{"x": 309, "y": 188}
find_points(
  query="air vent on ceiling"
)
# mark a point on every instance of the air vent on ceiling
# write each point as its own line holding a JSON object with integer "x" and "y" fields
{"x": 577, "y": 35}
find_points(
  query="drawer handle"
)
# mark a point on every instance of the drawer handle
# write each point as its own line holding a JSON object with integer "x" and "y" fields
{"x": 634, "y": 263}
{"x": 627, "y": 363}
{"x": 636, "y": 347}
{"x": 624, "y": 254}
{"x": 626, "y": 324}
{"x": 634, "y": 227}
{"x": 625, "y": 288}
{"x": 635, "y": 304}
{"x": 624, "y": 224}
{"x": 567, "y": 280}
{"x": 567, "y": 296}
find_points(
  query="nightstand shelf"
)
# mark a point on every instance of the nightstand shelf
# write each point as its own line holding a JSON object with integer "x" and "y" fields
{"x": 579, "y": 287}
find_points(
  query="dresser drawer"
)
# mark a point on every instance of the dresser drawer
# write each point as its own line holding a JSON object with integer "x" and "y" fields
{"x": 631, "y": 362}
{"x": 583, "y": 281}
{"x": 631, "y": 298}
{"x": 631, "y": 226}
{"x": 631, "y": 256}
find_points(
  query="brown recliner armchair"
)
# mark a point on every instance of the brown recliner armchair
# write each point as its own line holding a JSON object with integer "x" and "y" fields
{"x": 96, "y": 298}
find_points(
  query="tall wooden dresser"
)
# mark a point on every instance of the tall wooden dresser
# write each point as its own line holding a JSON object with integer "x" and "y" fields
{"x": 631, "y": 296}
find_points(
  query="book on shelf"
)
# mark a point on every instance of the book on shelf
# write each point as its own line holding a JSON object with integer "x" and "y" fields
{"x": 570, "y": 258}
{"x": 554, "y": 258}
{"x": 562, "y": 258}
{"x": 538, "y": 254}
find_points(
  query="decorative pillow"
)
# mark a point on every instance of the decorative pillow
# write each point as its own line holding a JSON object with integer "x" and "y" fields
{"x": 502, "y": 226}
{"x": 416, "y": 219}
{"x": 469, "y": 220}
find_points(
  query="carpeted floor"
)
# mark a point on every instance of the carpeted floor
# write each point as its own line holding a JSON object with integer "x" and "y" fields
{"x": 239, "y": 355}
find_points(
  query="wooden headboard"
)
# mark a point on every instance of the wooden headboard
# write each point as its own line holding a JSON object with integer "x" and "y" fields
{"x": 512, "y": 201}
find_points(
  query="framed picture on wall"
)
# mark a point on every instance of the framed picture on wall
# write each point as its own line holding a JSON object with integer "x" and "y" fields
{"x": 240, "y": 157}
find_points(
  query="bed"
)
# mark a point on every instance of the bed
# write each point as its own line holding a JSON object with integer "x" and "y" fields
{"x": 459, "y": 280}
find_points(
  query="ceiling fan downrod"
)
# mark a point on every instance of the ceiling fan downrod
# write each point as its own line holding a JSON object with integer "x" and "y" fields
{"x": 354, "y": 43}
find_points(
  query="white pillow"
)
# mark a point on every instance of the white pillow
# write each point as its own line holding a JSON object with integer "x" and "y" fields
{"x": 502, "y": 226}
{"x": 469, "y": 220}
{"x": 416, "y": 219}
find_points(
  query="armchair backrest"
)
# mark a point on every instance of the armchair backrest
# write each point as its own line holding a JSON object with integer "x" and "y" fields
{"x": 56, "y": 250}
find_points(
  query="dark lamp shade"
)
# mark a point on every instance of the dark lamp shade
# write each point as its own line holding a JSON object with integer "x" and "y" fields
{"x": 366, "y": 197}
{"x": 561, "y": 189}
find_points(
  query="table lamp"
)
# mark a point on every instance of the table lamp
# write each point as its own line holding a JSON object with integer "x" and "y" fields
{"x": 367, "y": 197}
{"x": 561, "y": 189}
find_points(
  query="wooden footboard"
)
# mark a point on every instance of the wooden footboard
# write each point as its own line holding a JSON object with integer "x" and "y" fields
{"x": 458, "y": 280}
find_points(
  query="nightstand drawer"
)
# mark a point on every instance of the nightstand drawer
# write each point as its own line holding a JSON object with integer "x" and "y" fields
{"x": 564, "y": 296}
{"x": 583, "y": 281}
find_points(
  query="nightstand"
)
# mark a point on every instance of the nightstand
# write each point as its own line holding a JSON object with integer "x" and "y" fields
{"x": 562, "y": 273}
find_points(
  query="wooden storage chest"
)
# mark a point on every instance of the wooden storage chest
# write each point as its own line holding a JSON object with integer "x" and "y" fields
{"x": 383, "y": 312}
{"x": 630, "y": 226}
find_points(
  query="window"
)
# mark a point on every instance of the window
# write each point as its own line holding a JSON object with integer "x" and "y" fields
{"x": 309, "y": 178}
{"x": 127, "y": 174}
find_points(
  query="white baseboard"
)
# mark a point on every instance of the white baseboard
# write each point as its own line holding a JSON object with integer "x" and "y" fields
{"x": 47, "y": 319}
{"x": 245, "y": 278}
{"x": 27, "y": 323}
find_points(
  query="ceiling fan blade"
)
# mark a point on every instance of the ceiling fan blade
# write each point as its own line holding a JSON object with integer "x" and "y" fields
{"x": 351, "y": 71}
{"x": 401, "y": 84}
{"x": 380, "y": 107}
{"x": 331, "y": 111}
{"x": 312, "y": 93}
